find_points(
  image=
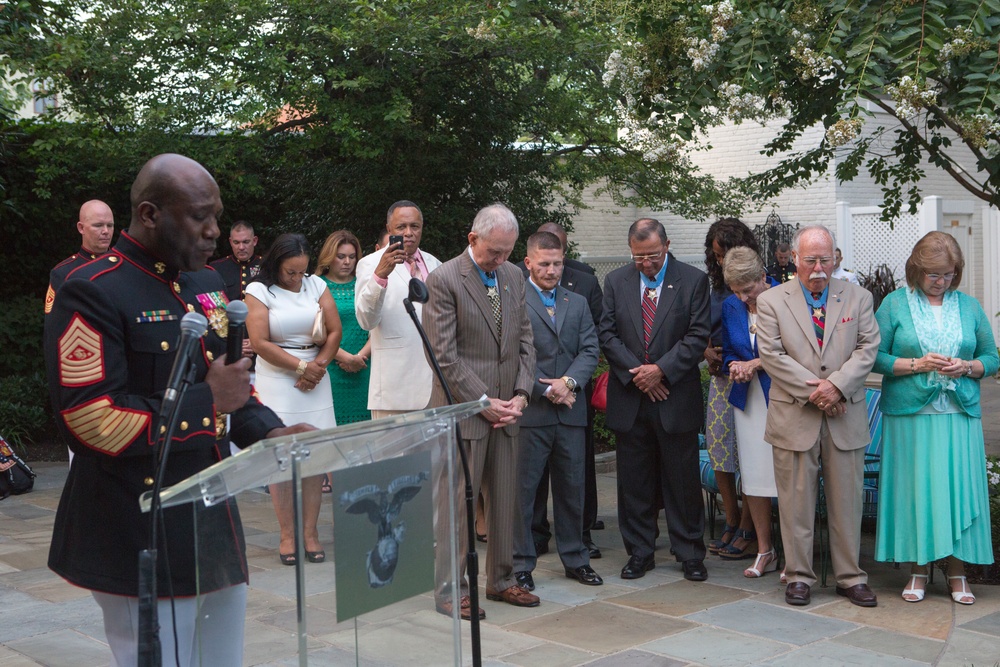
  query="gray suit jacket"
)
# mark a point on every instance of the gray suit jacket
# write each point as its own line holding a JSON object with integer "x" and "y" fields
{"x": 680, "y": 334}
{"x": 474, "y": 359}
{"x": 568, "y": 347}
{"x": 581, "y": 282}
{"x": 791, "y": 355}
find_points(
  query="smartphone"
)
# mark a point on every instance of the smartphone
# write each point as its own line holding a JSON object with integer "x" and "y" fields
{"x": 396, "y": 239}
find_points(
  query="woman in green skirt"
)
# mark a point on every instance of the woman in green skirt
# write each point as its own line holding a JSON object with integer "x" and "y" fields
{"x": 937, "y": 343}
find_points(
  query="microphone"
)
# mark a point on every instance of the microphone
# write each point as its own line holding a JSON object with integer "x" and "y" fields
{"x": 237, "y": 313}
{"x": 418, "y": 291}
{"x": 193, "y": 327}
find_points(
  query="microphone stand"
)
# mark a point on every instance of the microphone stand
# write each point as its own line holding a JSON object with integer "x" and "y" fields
{"x": 418, "y": 293}
{"x": 149, "y": 648}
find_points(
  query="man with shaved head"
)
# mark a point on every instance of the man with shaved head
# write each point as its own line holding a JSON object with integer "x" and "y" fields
{"x": 110, "y": 343}
{"x": 96, "y": 226}
{"x": 578, "y": 278}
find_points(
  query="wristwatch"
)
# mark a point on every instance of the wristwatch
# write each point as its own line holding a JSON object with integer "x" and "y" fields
{"x": 570, "y": 382}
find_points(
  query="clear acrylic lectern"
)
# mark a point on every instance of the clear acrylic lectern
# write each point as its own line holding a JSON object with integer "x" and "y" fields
{"x": 373, "y": 599}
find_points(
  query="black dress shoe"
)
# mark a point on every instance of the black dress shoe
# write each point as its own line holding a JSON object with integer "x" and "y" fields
{"x": 694, "y": 570}
{"x": 598, "y": 525}
{"x": 797, "y": 594}
{"x": 541, "y": 548}
{"x": 637, "y": 567}
{"x": 585, "y": 575}
{"x": 592, "y": 548}
{"x": 861, "y": 595}
{"x": 525, "y": 580}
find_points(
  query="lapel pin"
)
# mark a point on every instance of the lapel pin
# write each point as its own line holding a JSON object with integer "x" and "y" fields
{"x": 670, "y": 286}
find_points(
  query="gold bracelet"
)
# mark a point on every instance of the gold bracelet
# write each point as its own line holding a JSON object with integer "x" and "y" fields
{"x": 301, "y": 369}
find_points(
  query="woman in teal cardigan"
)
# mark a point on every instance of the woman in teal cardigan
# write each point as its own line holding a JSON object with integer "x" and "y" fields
{"x": 937, "y": 343}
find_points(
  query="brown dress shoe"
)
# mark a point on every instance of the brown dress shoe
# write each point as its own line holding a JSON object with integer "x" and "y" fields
{"x": 859, "y": 594}
{"x": 797, "y": 593}
{"x": 443, "y": 606}
{"x": 514, "y": 595}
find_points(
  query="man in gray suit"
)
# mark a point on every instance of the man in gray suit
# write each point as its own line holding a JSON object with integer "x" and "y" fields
{"x": 654, "y": 332}
{"x": 579, "y": 278}
{"x": 818, "y": 340}
{"x": 554, "y": 424}
{"x": 479, "y": 331}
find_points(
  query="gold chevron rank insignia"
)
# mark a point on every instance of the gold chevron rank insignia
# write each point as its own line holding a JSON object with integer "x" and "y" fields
{"x": 102, "y": 426}
{"x": 50, "y": 298}
{"x": 81, "y": 356}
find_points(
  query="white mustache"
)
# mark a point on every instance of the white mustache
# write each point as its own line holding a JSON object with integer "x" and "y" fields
{"x": 818, "y": 275}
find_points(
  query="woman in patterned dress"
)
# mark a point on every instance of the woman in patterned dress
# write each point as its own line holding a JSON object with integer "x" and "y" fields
{"x": 720, "y": 433}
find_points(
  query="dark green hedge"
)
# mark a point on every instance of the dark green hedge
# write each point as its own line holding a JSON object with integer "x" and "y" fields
{"x": 291, "y": 182}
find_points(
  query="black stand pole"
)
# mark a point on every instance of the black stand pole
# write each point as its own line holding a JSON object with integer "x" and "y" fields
{"x": 150, "y": 652}
{"x": 418, "y": 293}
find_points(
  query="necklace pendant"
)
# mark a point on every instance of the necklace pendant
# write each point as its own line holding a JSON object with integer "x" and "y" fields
{"x": 491, "y": 291}
{"x": 753, "y": 328}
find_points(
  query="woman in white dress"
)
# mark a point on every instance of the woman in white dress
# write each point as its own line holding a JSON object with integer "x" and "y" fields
{"x": 745, "y": 274}
{"x": 291, "y": 369}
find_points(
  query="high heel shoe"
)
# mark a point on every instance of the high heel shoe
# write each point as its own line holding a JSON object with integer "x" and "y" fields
{"x": 766, "y": 562}
{"x": 749, "y": 550}
{"x": 963, "y": 596}
{"x": 717, "y": 545}
{"x": 916, "y": 594}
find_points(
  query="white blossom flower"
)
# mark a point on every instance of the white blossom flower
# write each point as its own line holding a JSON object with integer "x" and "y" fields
{"x": 844, "y": 131}
{"x": 483, "y": 32}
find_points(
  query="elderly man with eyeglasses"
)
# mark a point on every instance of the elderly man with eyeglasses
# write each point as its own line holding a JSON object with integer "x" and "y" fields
{"x": 818, "y": 340}
{"x": 654, "y": 330}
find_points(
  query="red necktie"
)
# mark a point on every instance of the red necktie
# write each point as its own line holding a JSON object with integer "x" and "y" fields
{"x": 648, "y": 314}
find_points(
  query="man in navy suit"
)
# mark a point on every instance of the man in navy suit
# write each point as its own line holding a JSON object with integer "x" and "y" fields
{"x": 555, "y": 422}
{"x": 654, "y": 332}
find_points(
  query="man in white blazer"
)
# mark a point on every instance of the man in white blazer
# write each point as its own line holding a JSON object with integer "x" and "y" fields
{"x": 400, "y": 377}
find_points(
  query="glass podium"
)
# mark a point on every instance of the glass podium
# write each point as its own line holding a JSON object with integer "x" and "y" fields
{"x": 397, "y": 491}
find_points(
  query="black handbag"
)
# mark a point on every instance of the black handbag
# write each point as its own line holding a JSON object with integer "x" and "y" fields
{"x": 16, "y": 476}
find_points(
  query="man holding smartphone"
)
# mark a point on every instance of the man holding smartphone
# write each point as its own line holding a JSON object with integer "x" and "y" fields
{"x": 400, "y": 376}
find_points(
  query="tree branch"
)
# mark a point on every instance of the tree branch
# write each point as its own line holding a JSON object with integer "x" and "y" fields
{"x": 948, "y": 163}
{"x": 289, "y": 125}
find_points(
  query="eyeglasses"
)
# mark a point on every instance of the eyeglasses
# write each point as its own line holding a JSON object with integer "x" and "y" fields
{"x": 934, "y": 277}
{"x": 639, "y": 259}
{"x": 812, "y": 261}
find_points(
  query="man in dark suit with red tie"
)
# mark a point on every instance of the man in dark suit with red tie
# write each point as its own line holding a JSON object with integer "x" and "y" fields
{"x": 654, "y": 330}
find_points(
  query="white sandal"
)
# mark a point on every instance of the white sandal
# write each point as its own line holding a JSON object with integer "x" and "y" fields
{"x": 764, "y": 563}
{"x": 963, "y": 596}
{"x": 917, "y": 594}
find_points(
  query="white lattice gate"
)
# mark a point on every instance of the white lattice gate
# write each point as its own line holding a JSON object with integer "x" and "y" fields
{"x": 874, "y": 242}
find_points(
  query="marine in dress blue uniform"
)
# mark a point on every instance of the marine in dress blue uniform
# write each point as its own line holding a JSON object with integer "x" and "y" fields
{"x": 109, "y": 348}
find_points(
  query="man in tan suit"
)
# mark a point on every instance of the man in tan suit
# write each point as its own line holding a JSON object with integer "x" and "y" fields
{"x": 478, "y": 328}
{"x": 818, "y": 339}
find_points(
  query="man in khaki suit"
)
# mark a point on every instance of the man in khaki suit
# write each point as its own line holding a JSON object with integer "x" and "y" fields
{"x": 478, "y": 327}
{"x": 818, "y": 340}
